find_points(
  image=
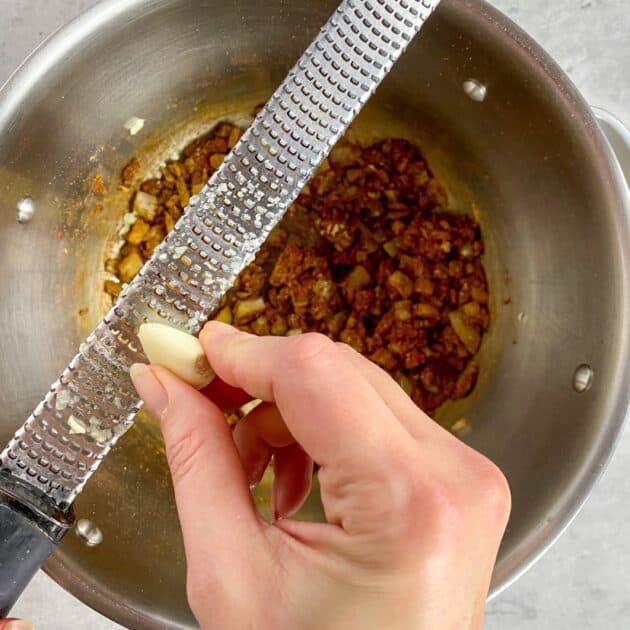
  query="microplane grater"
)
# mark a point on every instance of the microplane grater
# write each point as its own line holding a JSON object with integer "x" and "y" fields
{"x": 54, "y": 453}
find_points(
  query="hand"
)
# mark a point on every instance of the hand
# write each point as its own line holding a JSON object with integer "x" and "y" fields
{"x": 15, "y": 624}
{"x": 415, "y": 517}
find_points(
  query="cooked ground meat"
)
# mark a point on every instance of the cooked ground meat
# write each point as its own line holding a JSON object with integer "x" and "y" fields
{"x": 367, "y": 255}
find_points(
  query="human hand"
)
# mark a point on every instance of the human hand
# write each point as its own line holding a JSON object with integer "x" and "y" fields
{"x": 415, "y": 517}
{"x": 15, "y": 624}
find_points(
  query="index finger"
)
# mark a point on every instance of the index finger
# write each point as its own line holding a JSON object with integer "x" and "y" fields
{"x": 330, "y": 409}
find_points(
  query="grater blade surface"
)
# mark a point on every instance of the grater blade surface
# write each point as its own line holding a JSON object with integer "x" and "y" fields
{"x": 93, "y": 402}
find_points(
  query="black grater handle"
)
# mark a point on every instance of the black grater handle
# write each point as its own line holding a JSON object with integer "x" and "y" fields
{"x": 30, "y": 529}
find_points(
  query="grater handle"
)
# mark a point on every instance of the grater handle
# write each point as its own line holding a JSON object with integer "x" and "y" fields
{"x": 30, "y": 529}
{"x": 23, "y": 549}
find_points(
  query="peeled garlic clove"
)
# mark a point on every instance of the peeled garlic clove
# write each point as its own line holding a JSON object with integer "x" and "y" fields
{"x": 177, "y": 351}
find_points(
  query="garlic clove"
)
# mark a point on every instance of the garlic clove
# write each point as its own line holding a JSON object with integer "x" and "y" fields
{"x": 177, "y": 351}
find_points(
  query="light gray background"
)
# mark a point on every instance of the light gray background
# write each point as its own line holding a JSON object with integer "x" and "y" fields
{"x": 583, "y": 583}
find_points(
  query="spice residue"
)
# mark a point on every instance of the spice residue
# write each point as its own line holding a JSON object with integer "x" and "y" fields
{"x": 369, "y": 255}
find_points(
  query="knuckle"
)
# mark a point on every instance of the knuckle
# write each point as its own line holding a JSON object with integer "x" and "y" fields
{"x": 430, "y": 501}
{"x": 416, "y": 489}
{"x": 310, "y": 351}
{"x": 424, "y": 514}
{"x": 494, "y": 491}
{"x": 446, "y": 506}
{"x": 182, "y": 450}
{"x": 439, "y": 518}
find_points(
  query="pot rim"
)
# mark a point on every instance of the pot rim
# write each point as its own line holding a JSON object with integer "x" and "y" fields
{"x": 72, "y": 36}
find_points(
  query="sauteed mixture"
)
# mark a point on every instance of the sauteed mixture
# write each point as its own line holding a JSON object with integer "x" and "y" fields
{"x": 368, "y": 255}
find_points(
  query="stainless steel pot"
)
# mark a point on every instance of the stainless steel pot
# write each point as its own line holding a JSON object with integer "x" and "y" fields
{"x": 553, "y": 204}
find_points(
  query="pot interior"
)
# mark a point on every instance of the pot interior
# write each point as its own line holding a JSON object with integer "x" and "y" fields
{"x": 528, "y": 156}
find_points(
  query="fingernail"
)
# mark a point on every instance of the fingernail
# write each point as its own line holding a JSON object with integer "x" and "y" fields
{"x": 254, "y": 477}
{"x": 149, "y": 389}
{"x": 19, "y": 624}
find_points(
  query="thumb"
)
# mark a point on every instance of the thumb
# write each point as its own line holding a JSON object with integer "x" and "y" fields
{"x": 213, "y": 499}
{"x": 15, "y": 624}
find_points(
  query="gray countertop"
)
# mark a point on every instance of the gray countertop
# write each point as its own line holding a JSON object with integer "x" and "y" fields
{"x": 584, "y": 581}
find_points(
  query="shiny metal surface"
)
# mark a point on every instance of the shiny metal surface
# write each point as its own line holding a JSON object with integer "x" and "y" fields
{"x": 93, "y": 403}
{"x": 89, "y": 533}
{"x": 552, "y": 206}
{"x": 618, "y": 136}
{"x": 25, "y": 210}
